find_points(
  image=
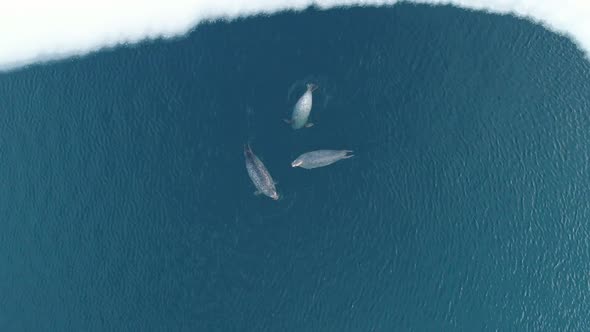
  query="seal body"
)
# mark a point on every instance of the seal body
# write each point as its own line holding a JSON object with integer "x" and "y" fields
{"x": 259, "y": 174}
{"x": 320, "y": 158}
{"x": 302, "y": 109}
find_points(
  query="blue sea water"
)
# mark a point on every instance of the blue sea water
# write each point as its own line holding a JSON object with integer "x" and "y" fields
{"x": 126, "y": 205}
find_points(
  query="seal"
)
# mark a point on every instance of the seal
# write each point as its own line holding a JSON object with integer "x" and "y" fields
{"x": 320, "y": 158}
{"x": 259, "y": 174}
{"x": 302, "y": 109}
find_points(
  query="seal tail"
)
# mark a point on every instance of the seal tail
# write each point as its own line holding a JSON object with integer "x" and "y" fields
{"x": 248, "y": 150}
{"x": 312, "y": 87}
{"x": 348, "y": 154}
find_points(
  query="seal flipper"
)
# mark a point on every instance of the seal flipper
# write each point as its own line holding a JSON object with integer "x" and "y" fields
{"x": 309, "y": 124}
{"x": 258, "y": 193}
{"x": 348, "y": 154}
{"x": 288, "y": 121}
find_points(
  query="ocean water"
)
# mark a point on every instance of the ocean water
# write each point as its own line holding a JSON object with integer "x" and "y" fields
{"x": 126, "y": 205}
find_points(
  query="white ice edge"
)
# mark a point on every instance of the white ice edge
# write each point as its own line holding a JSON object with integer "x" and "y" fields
{"x": 36, "y": 31}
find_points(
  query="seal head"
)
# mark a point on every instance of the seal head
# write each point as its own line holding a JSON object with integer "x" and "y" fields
{"x": 296, "y": 163}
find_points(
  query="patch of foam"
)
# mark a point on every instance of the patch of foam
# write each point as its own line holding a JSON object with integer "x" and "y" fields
{"x": 33, "y": 30}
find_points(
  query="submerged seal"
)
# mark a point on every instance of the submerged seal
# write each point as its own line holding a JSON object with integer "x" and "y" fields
{"x": 320, "y": 158}
{"x": 302, "y": 109}
{"x": 259, "y": 174}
